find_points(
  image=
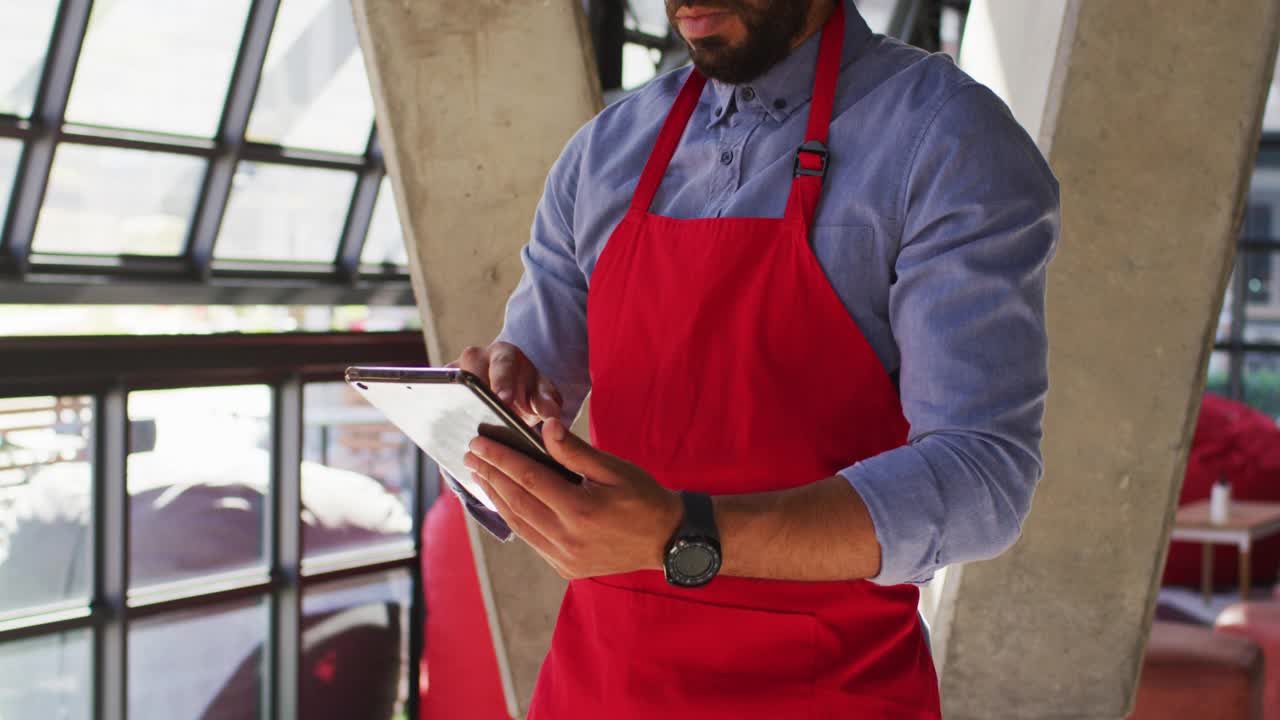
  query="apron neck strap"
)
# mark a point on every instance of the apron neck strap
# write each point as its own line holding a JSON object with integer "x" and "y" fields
{"x": 810, "y": 165}
{"x": 811, "y": 158}
{"x": 668, "y": 139}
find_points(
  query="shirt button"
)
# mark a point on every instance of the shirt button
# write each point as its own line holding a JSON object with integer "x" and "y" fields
{"x": 719, "y": 111}
{"x": 748, "y": 94}
{"x": 726, "y": 157}
{"x": 779, "y": 103}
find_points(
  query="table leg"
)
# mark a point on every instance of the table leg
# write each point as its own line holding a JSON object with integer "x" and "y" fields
{"x": 1206, "y": 573}
{"x": 1244, "y": 575}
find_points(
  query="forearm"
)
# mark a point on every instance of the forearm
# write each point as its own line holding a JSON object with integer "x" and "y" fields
{"x": 819, "y": 531}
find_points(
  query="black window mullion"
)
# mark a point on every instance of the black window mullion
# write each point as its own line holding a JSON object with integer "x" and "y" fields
{"x": 110, "y": 555}
{"x": 284, "y": 533}
{"x": 355, "y": 230}
{"x": 46, "y": 120}
{"x": 216, "y": 189}
{"x": 1235, "y": 366}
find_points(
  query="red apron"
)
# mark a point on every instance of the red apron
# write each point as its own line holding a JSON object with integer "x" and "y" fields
{"x": 723, "y": 361}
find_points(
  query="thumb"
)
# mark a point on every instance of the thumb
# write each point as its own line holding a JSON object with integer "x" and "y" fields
{"x": 576, "y": 454}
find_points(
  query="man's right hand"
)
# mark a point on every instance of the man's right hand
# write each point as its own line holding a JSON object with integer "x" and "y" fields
{"x": 514, "y": 379}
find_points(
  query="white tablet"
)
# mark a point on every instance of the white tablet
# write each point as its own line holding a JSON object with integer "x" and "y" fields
{"x": 442, "y": 410}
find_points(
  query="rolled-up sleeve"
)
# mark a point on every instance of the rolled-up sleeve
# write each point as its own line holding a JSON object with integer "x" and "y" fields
{"x": 980, "y": 221}
{"x": 547, "y": 313}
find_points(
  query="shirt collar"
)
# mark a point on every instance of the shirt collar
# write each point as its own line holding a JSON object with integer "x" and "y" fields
{"x": 788, "y": 85}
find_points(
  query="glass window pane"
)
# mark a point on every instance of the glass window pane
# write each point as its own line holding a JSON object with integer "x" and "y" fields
{"x": 1223, "y": 332}
{"x": 314, "y": 92}
{"x": 356, "y": 648}
{"x": 277, "y": 212}
{"x": 1262, "y": 382}
{"x": 25, "y": 29}
{"x": 1219, "y": 380}
{"x": 1271, "y": 118}
{"x": 357, "y": 473}
{"x": 107, "y": 201}
{"x": 385, "y": 243}
{"x": 206, "y": 663}
{"x": 639, "y": 65}
{"x": 198, "y": 478}
{"x": 45, "y": 480}
{"x": 10, "y": 151}
{"x": 157, "y": 65}
{"x": 647, "y": 16}
{"x": 47, "y": 677}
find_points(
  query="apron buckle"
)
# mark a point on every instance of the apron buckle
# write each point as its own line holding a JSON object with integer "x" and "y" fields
{"x": 818, "y": 148}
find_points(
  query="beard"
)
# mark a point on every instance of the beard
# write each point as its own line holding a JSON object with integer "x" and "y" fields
{"x": 772, "y": 26}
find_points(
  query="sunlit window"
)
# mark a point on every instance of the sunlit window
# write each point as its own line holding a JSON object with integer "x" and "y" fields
{"x": 211, "y": 659}
{"x": 107, "y": 201}
{"x": 158, "y": 65}
{"x": 285, "y": 213}
{"x": 198, "y": 479}
{"x": 24, "y": 40}
{"x": 385, "y": 243}
{"x": 46, "y": 470}
{"x": 314, "y": 92}
{"x": 50, "y": 676}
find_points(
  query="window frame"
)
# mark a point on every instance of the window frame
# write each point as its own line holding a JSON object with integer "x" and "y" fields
{"x": 194, "y": 276}
{"x": 107, "y": 369}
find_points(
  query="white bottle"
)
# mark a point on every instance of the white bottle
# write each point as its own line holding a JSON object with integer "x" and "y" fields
{"x": 1220, "y": 502}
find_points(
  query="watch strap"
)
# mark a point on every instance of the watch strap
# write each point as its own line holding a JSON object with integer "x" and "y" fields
{"x": 699, "y": 516}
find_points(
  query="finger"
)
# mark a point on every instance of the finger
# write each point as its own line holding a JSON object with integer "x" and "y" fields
{"x": 474, "y": 360}
{"x": 521, "y": 501}
{"x": 576, "y": 454}
{"x": 547, "y": 402}
{"x": 527, "y": 532}
{"x": 504, "y": 370}
{"x": 537, "y": 479}
{"x": 522, "y": 396}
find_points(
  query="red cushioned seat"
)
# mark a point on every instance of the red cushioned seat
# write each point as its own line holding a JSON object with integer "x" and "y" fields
{"x": 1191, "y": 671}
{"x": 1259, "y": 622}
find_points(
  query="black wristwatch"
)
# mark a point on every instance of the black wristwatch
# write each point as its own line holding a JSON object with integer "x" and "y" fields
{"x": 692, "y": 556}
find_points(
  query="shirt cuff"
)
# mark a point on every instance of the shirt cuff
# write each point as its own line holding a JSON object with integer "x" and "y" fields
{"x": 488, "y": 519}
{"x": 899, "y": 491}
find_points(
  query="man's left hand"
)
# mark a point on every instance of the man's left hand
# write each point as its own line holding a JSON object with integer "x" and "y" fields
{"x": 617, "y": 521}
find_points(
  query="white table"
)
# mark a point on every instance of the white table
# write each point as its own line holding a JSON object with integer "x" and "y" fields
{"x": 1247, "y": 523}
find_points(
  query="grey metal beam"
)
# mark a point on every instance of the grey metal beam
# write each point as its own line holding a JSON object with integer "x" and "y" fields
{"x": 110, "y": 555}
{"x": 283, "y": 530}
{"x": 216, "y": 189}
{"x": 355, "y": 230}
{"x": 37, "y": 156}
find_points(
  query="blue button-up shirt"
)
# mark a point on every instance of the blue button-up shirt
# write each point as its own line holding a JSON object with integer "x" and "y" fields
{"x": 937, "y": 220}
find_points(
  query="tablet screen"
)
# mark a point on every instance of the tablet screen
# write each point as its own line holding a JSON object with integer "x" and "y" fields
{"x": 442, "y": 419}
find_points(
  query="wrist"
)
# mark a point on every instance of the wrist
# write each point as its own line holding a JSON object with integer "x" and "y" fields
{"x": 670, "y": 515}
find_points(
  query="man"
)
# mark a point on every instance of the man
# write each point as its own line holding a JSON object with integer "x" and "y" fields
{"x": 804, "y": 282}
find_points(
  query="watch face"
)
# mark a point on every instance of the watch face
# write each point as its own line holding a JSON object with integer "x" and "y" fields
{"x": 692, "y": 561}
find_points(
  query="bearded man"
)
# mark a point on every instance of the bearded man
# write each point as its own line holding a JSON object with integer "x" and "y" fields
{"x": 804, "y": 282}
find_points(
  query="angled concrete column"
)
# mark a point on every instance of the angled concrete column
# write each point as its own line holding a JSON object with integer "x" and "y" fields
{"x": 475, "y": 99}
{"x": 1149, "y": 112}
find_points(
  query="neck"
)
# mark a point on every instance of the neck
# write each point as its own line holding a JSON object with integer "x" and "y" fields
{"x": 819, "y": 11}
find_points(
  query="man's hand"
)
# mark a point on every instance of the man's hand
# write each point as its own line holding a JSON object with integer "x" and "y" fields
{"x": 617, "y": 521}
{"x": 514, "y": 379}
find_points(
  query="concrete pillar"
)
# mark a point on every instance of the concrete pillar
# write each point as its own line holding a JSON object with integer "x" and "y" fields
{"x": 1151, "y": 121}
{"x": 475, "y": 100}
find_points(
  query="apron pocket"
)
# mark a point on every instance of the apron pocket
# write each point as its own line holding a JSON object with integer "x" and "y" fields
{"x": 676, "y": 658}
